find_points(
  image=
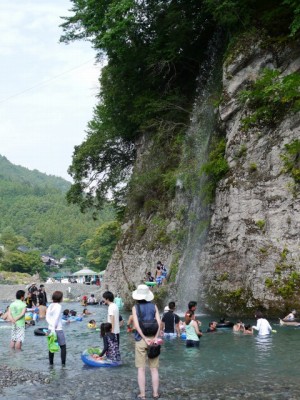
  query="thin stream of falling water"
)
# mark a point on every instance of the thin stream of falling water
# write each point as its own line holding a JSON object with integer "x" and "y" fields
{"x": 200, "y": 132}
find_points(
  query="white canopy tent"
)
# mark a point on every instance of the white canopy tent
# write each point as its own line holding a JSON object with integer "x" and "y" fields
{"x": 85, "y": 275}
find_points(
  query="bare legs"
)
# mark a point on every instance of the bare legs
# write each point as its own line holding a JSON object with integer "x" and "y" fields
{"x": 15, "y": 345}
{"x": 142, "y": 381}
{"x": 155, "y": 381}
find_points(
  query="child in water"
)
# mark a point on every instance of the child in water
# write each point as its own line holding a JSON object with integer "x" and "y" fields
{"x": 110, "y": 343}
{"x": 92, "y": 324}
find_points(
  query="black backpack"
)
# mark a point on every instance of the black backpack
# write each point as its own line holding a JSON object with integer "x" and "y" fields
{"x": 148, "y": 327}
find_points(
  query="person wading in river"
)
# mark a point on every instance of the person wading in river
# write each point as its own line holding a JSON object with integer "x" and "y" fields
{"x": 16, "y": 314}
{"x": 145, "y": 311}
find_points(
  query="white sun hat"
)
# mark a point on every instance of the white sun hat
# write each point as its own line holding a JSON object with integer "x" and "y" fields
{"x": 142, "y": 293}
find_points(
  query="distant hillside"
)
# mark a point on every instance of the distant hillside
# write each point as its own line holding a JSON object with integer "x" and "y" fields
{"x": 16, "y": 173}
{"x": 33, "y": 205}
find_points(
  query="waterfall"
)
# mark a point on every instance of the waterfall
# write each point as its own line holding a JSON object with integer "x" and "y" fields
{"x": 201, "y": 129}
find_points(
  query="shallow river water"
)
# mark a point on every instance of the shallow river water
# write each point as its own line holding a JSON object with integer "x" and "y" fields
{"x": 226, "y": 366}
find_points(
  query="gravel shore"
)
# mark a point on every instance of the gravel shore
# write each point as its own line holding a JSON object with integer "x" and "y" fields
{"x": 13, "y": 377}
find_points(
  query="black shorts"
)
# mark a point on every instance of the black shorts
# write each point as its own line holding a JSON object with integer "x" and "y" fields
{"x": 192, "y": 343}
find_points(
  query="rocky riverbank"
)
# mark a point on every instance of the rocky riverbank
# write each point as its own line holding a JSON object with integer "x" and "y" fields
{"x": 71, "y": 291}
{"x": 13, "y": 377}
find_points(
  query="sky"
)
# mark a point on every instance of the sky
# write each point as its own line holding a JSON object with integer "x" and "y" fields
{"x": 47, "y": 89}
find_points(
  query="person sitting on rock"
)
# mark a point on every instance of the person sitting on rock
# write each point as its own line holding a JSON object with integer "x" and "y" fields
{"x": 149, "y": 277}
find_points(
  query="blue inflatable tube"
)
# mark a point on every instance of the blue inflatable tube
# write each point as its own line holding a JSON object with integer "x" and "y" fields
{"x": 74, "y": 319}
{"x": 89, "y": 360}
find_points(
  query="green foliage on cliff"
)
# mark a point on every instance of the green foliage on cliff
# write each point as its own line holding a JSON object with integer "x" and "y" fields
{"x": 291, "y": 159}
{"x": 215, "y": 168}
{"x": 271, "y": 97}
{"x": 286, "y": 279}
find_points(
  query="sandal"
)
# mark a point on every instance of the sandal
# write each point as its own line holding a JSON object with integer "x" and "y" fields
{"x": 141, "y": 397}
{"x": 156, "y": 397}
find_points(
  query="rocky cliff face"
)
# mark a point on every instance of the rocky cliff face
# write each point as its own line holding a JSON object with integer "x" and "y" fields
{"x": 251, "y": 256}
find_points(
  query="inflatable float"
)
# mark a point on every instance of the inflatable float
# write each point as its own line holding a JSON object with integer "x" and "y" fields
{"x": 28, "y": 316}
{"x": 289, "y": 323}
{"x": 150, "y": 283}
{"x": 40, "y": 331}
{"x": 73, "y": 318}
{"x": 226, "y": 324}
{"x": 93, "y": 304}
{"x": 86, "y": 357}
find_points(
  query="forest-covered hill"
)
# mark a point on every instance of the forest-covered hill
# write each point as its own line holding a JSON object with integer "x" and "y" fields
{"x": 35, "y": 213}
{"x": 34, "y": 178}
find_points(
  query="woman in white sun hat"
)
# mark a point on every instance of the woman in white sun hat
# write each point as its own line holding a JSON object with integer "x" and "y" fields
{"x": 145, "y": 311}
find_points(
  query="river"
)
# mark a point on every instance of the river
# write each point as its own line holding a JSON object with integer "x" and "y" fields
{"x": 226, "y": 366}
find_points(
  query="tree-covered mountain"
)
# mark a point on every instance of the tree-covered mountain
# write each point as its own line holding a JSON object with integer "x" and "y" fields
{"x": 21, "y": 175}
{"x": 34, "y": 213}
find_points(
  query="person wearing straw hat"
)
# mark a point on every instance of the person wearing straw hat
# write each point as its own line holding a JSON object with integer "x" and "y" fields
{"x": 144, "y": 310}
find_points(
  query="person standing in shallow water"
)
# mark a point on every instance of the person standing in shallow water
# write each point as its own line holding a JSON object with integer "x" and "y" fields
{"x": 148, "y": 312}
{"x": 112, "y": 313}
{"x": 192, "y": 331}
{"x": 53, "y": 317}
{"x": 262, "y": 325}
{"x": 16, "y": 314}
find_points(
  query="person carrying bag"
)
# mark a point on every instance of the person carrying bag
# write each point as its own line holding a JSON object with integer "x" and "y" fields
{"x": 146, "y": 322}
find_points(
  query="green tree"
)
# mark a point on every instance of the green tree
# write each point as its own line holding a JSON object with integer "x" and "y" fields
{"x": 153, "y": 51}
{"x": 100, "y": 246}
{"x": 240, "y": 15}
{"x": 16, "y": 261}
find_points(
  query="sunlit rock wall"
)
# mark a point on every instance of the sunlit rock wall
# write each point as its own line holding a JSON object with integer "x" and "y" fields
{"x": 253, "y": 251}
